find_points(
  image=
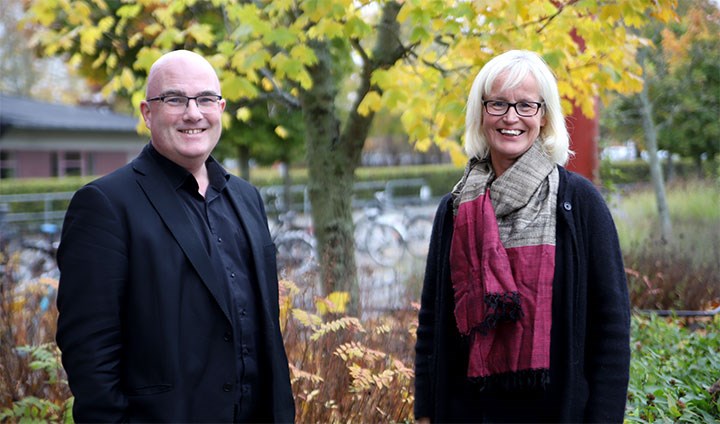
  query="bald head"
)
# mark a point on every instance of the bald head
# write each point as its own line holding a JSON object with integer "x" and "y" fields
{"x": 178, "y": 60}
{"x": 186, "y": 129}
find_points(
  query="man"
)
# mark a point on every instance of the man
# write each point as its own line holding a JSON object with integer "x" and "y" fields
{"x": 168, "y": 293}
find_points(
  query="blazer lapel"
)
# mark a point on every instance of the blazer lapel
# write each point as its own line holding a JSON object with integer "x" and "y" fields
{"x": 162, "y": 196}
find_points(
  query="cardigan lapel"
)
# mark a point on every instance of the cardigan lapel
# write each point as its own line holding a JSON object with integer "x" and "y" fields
{"x": 161, "y": 195}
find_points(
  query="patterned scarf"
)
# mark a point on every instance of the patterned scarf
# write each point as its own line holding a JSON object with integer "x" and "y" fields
{"x": 502, "y": 261}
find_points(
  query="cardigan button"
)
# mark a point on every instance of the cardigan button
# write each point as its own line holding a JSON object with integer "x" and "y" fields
{"x": 227, "y": 387}
{"x": 227, "y": 336}
{"x": 567, "y": 206}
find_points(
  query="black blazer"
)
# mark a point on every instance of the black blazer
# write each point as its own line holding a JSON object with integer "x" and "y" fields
{"x": 144, "y": 324}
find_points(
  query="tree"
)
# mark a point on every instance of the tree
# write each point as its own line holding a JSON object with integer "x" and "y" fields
{"x": 416, "y": 58}
{"x": 689, "y": 95}
{"x": 678, "y": 108}
{"x": 23, "y": 74}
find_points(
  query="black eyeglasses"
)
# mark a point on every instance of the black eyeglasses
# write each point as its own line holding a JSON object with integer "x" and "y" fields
{"x": 177, "y": 103}
{"x": 500, "y": 108}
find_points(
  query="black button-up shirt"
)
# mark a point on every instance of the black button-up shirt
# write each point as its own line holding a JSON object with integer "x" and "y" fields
{"x": 219, "y": 228}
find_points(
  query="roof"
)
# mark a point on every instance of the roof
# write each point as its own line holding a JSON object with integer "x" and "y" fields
{"x": 26, "y": 113}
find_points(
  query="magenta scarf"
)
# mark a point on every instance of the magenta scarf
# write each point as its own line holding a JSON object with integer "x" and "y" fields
{"x": 502, "y": 261}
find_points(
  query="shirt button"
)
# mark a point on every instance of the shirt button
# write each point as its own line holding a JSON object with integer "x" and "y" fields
{"x": 243, "y": 312}
{"x": 219, "y": 239}
{"x": 567, "y": 206}
{"x": 232, "y": 275}
{"x": 227, "y": 387}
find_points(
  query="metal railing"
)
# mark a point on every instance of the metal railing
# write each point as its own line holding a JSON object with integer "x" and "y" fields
{"x": 47, "y": 207}
{"x": 47, "y": 202}
{"x": 396, "y": 193}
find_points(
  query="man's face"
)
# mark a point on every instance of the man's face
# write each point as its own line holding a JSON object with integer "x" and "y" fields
{"x": 185, "y": 135}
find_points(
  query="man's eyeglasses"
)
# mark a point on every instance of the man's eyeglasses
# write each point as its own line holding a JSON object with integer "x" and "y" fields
{"x": 500, "y": 108}
{"x": 205, "y": 103}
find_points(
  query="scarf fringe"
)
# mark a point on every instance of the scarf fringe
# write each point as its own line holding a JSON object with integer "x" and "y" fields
{"x": 503, "y": 307}
{"x": 534, "y": 379}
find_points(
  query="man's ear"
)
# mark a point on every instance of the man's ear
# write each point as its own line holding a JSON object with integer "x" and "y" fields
{"x": 146, "y": 113}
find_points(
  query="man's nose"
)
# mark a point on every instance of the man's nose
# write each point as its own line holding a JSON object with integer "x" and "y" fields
{"x": 192, "y": 108}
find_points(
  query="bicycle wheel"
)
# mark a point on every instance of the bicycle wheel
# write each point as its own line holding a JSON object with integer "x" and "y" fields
{"x": 418, "y": 230}
{"x": 295, "y": 253}
{"x": 385, "y": 244}
{"x": 361, "y": 230}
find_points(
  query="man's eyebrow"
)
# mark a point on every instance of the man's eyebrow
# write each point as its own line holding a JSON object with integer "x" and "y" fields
{"x": 182, "y": 93}
{"x": 171, "y": 93}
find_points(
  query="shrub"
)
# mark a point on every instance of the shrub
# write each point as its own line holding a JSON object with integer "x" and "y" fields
{"x": 345, "y": 370}
{"x": 674, "y": 371}
{"x": 32, "y": 381}
{"x": 681, "y": 273}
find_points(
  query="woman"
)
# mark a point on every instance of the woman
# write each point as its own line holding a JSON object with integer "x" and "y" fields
{"x": 525, "y": 313}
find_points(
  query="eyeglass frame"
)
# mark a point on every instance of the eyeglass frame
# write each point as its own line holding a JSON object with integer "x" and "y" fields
{"x": 187, "y": 99}
{"x": 512, "y": 105}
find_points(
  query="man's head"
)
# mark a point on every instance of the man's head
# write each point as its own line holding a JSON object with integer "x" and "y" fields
{"x": 184, "y": 131}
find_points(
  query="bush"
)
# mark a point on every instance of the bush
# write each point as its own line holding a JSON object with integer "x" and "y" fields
{"x": 682, "y": 272}
{"x": 32, "y": 381}
{"x": 674, "y": 371}
{"x": 344, "y": 370}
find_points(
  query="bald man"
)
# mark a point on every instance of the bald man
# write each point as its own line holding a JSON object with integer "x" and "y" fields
{"x": 168, "y": 292}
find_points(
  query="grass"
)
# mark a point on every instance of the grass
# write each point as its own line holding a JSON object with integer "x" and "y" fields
{"x": 683, "y": 273}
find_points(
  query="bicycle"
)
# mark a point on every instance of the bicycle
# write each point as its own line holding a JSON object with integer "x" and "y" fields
{"x": 32, "y": 257}
{"x": 377, "y": 235}
{"x": 295, "y": 246}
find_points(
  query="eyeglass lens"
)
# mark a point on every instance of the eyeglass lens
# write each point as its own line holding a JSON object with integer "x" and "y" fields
{"x": 499, "y": 108}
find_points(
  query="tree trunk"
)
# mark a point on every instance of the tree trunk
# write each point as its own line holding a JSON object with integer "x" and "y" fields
{"x": 656, "y": 174}
{"x": 244, "y": 161}
{"x": 330, "y": 180}
{"x": 333, "y": 156}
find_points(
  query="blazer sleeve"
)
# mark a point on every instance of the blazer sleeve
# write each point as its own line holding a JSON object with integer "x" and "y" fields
{"x": 607, "y": 353}
{"x": 92, "y": 258}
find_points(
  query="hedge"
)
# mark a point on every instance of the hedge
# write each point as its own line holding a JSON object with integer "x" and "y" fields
{"x": 440, "y": 178}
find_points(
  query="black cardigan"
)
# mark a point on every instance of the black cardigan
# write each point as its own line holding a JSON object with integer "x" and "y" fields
{"x": 590, "y": 348}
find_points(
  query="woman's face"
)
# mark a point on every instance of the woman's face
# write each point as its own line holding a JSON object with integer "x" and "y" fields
{"x": 510, "y": 135}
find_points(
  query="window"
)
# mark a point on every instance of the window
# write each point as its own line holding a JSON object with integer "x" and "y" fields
{"x": 7, "y": 165}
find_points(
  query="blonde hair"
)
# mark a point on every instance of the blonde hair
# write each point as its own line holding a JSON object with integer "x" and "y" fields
{"x": 516, "y": 65}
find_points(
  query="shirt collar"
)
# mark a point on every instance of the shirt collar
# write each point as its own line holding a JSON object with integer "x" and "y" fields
{"x": 178, "y": 176}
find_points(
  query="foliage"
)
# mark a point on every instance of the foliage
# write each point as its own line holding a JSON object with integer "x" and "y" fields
{"x": 32, "y": 381}
{"x": 269, "y": 132}
{"x": 673, "y": 371}
{"x": 681, "y": 274}
{"x": 345, "y": 370}
{"x": 683, "y": 73}
{"x": 266, "y": 50}
{"x": 24, "y": 74}
{"x": 638, "y": 171}
{"x": 418, "y": 57}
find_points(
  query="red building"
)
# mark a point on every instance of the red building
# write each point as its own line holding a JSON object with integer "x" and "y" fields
{"x": 584, "y": 134}
{"x": 39, "y": 139}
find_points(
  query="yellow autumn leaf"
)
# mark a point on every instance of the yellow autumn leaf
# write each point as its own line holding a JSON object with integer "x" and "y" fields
{"x": 243, "y": 114}
{"x": 335, "y": 303}
{"x": 370, "y": 103}
{"x": 202, "y": 33}
{"x": 281, "y": 132}
{"x": 127, "y": 79}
